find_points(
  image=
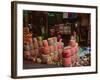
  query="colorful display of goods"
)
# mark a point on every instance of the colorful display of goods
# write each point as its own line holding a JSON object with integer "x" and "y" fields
{"x": 51, "y": 51}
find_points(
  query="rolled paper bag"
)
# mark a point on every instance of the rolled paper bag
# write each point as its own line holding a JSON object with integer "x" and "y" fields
{"x": 26, "y": 40}
{"x": 52, "y": 55}
{"x": 45, "y": 43}
{"x": 35, "y": 43}
{"x": 31, "y": 46}
{"x": 56, "y": 56}
{"x": 41, "y": 50}
{"x": 67, "y": 62}
{"x": 72, "y": 43}
{"x": 26, "y": 43}
{"x": 60, "y": 51}
{"x": 26, "y": 29}
{"x": 56, "y": 53}
{"x": 35, "y": 39}
{"x": 29, "y": 35}
{"x": 39, "y": 60}
{"x": 60, "y": 45}
{"x": 51, "y": 49}
{"x": 66, "y": 53}
{"x": 26, "y": 47}
{"x": 33, "y": 59}
{"x": 36, "y": 52}
{"x": 24, "y": 36}
{"x": 46, "y": 50}
{"x": 27, "y": 55}
{"x": 30, "y": 40}
{"x": 39, "y": 38}
{"x": 44, "y": 58}
{"x": 40, "y": 43}
{"x": 32, "y": 52}
{"x": 50, "y": 41}
{"x": 49, "y": 60}
{"x": 55, "y": 47}
{"x": 55, "y": 39}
